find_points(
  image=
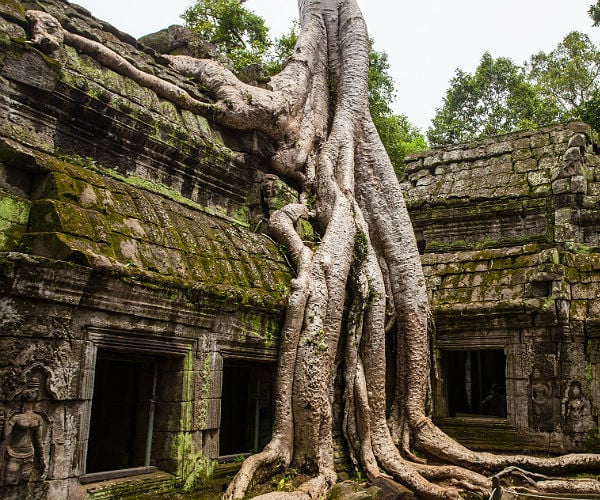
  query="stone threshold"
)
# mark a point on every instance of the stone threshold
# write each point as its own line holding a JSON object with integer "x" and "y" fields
{"x": 96, "y": 477}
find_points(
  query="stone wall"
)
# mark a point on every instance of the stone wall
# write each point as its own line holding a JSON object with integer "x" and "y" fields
{"x": 509, "y": 235}
{"x": 127, "y": 251}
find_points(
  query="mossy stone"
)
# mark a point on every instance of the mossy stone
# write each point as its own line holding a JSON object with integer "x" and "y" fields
{"x": 13, "y": 11}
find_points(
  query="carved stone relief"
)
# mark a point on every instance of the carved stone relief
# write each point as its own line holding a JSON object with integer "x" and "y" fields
{"x": 26, "y": 431}
{"x": 541, "y": 398}
{"x": 577, "y": 413}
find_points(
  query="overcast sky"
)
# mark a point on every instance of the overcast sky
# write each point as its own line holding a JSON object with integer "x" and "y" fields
{"x": 426, "y": 40}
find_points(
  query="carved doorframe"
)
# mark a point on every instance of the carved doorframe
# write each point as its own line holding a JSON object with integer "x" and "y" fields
{"x": 125, "y": 342}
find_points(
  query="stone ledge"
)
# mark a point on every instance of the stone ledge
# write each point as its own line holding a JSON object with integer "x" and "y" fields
{"x": 146, "y": 485}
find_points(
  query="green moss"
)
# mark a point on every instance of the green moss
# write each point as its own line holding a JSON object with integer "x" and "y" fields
{"x": 148, "y": 233}
{"x": 13, "y": 11}
{"x": 578, "y": 248}
{"x": 195, "y": 469}
{"x": 14, "y": 215}
{"x": 589, "y": 371}
{"x": 56, "y": 216}
{"x": 242, "y": 215}
{"x": 13, "y": 209}
{"x": 361, "y": 247}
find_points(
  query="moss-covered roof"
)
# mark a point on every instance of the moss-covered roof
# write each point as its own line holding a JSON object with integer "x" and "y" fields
{"x": 126, "y": 226}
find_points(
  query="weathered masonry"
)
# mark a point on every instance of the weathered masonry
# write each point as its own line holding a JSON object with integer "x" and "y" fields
{"x": 509, "y": 229}
{"x": 139, "y": 313}
{"x": 140, "y": 305}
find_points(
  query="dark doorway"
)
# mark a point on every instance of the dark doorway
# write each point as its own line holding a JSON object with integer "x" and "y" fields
{"x": 475, "y": 382}
{"x": 246, "y": 408}
{"x": 123, "y": 387}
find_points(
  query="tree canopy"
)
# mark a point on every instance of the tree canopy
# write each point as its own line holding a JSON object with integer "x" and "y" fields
{"x": 239, "y": 34}
{"x": 497, "y": 98}
{"x": 594, "y": 12}
{"x": 568, "y": 75}
{"x": 502, "y": 96}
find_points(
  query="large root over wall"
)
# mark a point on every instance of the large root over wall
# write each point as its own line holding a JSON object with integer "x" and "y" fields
{"x": 364, "y": 274}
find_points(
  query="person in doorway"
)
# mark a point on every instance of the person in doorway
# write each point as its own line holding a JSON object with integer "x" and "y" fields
{"x": 495, "y": 402}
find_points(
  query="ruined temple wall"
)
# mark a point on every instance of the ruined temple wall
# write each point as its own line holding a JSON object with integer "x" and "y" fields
{"x": 125, "y": 230}
{"x": 532, "y": 186}
{"x": 72, "y": 106}
{"x": 124, "y": 237}
{"x": 508, "y": 231}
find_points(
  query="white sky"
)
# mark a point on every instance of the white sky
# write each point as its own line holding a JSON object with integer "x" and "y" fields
{"x": 426, "y": 40}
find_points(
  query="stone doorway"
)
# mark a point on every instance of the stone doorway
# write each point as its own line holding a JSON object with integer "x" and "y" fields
{"x": 475, "y": 382}
{"x": 246, "y": 408}
{"x": 122, "y": 414}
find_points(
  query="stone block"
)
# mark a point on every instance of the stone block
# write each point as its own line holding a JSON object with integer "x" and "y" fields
{"x": 31, "y": 69}
{"x": 539, "y": 140}
{"x": 522, "y": 143}
{"x": 579, "y": 184}
{"x": 164, "y": 444}
{"x": 498, "y": 148}
{"x": 528, "y": 165}
{"x": 588, "y": 291}
{"x": 210, "y": 443}
{"x": 216, "y": 385}
{"x": 86, "y": 386}
{"x": 213, "y": 418}
{"x": 171, "y": 386}
{"x": 518, "y": 410}
{"x": 432, "y": 159}
{"x": 521, "y": 154}
{"x": 170, "y": 416}
{"x": 538, "y": 178}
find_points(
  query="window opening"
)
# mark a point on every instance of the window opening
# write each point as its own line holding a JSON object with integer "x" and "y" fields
{"x": 246, "y": 408}
{"x": 123, "y": 410}
{"x": 475, "y": 383}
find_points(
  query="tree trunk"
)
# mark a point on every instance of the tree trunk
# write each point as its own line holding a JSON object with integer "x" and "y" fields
{"x": 365, "y": 268}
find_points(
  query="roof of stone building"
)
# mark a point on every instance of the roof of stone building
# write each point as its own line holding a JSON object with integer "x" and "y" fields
{"x": 99, "y": 171}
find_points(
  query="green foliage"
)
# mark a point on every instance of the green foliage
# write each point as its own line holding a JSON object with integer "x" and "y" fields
{"x": 502, "y": 96}
{"x": 196, "y": 469}
{"x": 281, "y": 49}
{"x": 398, "y": 135}
{"x": 568, "y": 75}
{"x": 283, "y": 482}
{"x": 594, "y": 12}
{"x": 238, "y": 33}
{"x": 589, "y": 111}
{"x": 497, "y": 98}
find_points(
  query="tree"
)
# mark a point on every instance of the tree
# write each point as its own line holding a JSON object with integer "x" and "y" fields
{"x": 363, "y": 275}
{"x": 210, "y": 20}
{"x": 594, "y": 13}
{"x": 496, "y": 99}
{"x": 239, "y": 34}
{"x": 568, "y": 75}
{"x": 589, "y": 111}
{"x": 502, "y": 97}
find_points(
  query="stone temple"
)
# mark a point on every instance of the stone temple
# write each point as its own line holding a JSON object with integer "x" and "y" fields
{"x": 140, "y": 301}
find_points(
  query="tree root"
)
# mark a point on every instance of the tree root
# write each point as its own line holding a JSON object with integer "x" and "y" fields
{"x": 515, "y": 479}
{"x": 432, "y": 441}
